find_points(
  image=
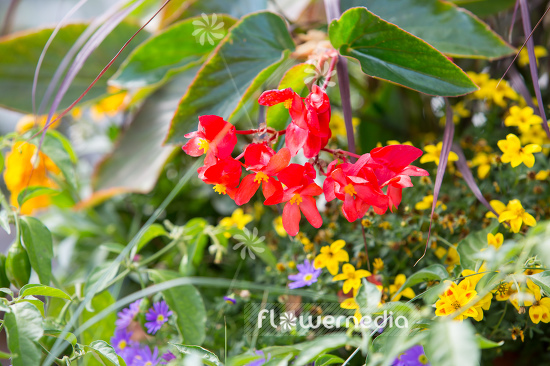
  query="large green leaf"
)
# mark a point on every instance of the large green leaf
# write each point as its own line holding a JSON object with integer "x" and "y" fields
{"x": 38, "y": 242}
{"x": 484, "y": 7}
{"x": 106, "y": 353}
{"x": 24, "y": 327}
{"x": 187, "y": 305}
{"x": 139, "y": 156}
{"x": 59, "y": 150}
{"x": 21, "y": 51}
{"x": 172, "y": 50}
{"x": 277, "y": 115}
{"x": 451, "y": 30}
{"x": 468, "y": 248}
{"x": 34, "y": 191}
{"x": 254, "y": 44}
{"x": 40, "y": 290}
{"x": 387, "y": 52}
{"x": 452, "y": 343}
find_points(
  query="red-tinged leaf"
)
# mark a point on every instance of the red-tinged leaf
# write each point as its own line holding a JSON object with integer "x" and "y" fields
{"x": 445, "y": 149}
{"x": 291, "y": 218}
{"x": 533, "y": 62}
{"x": 463, "y": 168}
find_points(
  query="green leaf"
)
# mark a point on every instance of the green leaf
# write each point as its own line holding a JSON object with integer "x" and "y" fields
{"x": 231, "y": 70}
{"x": 4, "y": 355}
{"x": 249, "y": 243}
{"x": 187, "y": 305}
{"x": 387, "y": 52}
{"x": 36, "y": 302}
{"x": 97, "y": 273}
{"x": 40, "y": 290}
{"x": 38, "y": 242}
{"x": 139, "y": 156}
{"x": 103, "y": 329}
{"x": 469, "y": 247}
{"x": 34, "y": 191}
{"x": 104, "y": 352}
{"x": 5, "y": 221}
{"x": 170, "y": 51}
{"x": 434, "y": 272}
{"x": 325, "y": 360}
{"x": 113, "y": 247}
{"x": 205, "y": 355}
{"x": 6, "y": 290}
{"x": 452, "y": 343}
{"x": 21, "y": 51}
{"x": 153, "y": 231}
{"x": 69, "y": 337}
{"x": 24, "y": 328}
{"x": 484, "y": 343}
{"x": 277, "y": 115}
{"x": 542, "y": 279}
{"x": 56, "y": 148}
{"x": 451, "y": 30}
{"x": 484, "y": 7}
{"x": 312, "y": 349}
{"x": 368, "y": 298}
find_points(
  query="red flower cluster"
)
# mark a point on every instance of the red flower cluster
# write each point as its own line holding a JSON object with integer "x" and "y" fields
{"x": 375, "y": 180}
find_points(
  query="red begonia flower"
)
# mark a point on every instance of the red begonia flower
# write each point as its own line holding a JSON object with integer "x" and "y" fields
{"x": 224, "y": 174}
{"x": 214, "y": 137}
{"x": 299, "y": 190}
{"x": 262, "y": 160}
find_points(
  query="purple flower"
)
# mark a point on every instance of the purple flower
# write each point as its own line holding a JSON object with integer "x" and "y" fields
{"x": 123, "y": 345}
{"x": 168, "y": 356}
{"x": 261, "y": 361}
{"x": 307, "y": 274}
{"x": 145, "y": 357}
{"x": 414, "y": 356}
{"x": 229, "y": 300}
{"x": 126, "y": 316}
{"x": 157, "y": 316}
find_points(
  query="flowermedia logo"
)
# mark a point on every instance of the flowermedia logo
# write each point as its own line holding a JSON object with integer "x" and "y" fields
{"x": 208, "y": 29}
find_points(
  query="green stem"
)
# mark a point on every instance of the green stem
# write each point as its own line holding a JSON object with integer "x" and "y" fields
{"x": 158, "y": 254}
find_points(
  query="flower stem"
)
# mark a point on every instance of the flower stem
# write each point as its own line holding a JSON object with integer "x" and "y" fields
{"x": 339, "y": 151}
{"x": 329, "y": 73}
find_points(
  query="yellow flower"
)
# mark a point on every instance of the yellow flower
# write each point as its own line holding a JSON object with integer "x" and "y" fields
{"x": 457, "y": 298}
{"x": 496, "y": 92}
{"x": 30, "y": 121}
{"x": 523, "y": 118}
{"x": 338, "y": 126}
{"x": 498, "y": 206}
{"x": 452, "y": 258}
{"x": 542, "y": 175}
{"x": 110, "y": 105}
{"x": 20, "y": 174}
{"x": 495, "y": 240}
{"x": 433, "y": 152}
{"x": 331, "y": 256}
{"x": 378, "y": 265}
{"x": 483, "y": 161}
{"x": 523, "y": 58}
{"x": 527, "y": 296}
{"x": 427, "y": 202}
{"x": 385, "y": 225}
{"x": 504, "y": 290}
{"x": 351, "y": 277}
{"x": 238, "y": 219}
{"x": 397, "y": 283}
{"x": 515, "y": 154}
{"x": 540, "y": 308}
{"x": 515, "y": 215}
{"x": 534, "y": 135}
{"x": 395, "y": 142}
{"x": 351, "y": 304}
{"x": 516, "y": 333}
{"x": 278, "y": 225}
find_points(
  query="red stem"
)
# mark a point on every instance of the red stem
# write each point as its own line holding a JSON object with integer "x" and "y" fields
{"x": 338, "y": 151}
{"x": 329, "y": 74}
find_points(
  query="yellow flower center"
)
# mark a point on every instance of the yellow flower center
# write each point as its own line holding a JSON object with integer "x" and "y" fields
{"x": 502, "y": 289}
{"x": 160, "y": 318}
{"x": 204, "y": 145}
{"x": 349, "y": 189}
{"x": 260, "y": 177}
{"x": 423, "y": 359}
{"x": 220, "y": 188}
{"x": 122, "y": 344}
{"x": 296, "y": 199}
{"x": 456, "y": 305}
{"x": 308, "y": 277}
{"x": 148, "y": 363}
{"x": 288, "y": 103}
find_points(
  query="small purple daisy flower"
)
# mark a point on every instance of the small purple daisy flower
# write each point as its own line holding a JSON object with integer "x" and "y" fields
{"x": 123, "y": 345}
{"x": 307, "y": 275}
{"x": 145, "y": 357}
{"x": 229, "y": 300}
{"x": 260, "y": 361}
{"x": 157, "y": 316}
{"x": 128, "y": 314}
{"x": 414, "y": 356}
{"x": 168, "y": 356}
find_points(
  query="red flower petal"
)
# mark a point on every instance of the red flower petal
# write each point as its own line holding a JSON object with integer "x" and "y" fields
{"x": 275, "y": 96}
{"x": 246, "y": 189}
{"x": 295, "y": 138}
{"x": 310, "y": 211}
{"x": 278, "y": 161}
{"x": 291, "y": 218}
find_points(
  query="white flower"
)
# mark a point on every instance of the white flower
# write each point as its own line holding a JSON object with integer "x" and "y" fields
{"x": 249, "y": 242}
{"x": 207, "y": 29}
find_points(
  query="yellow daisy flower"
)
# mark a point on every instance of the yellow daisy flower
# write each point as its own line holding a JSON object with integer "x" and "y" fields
{"x": 331, "y": 256}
